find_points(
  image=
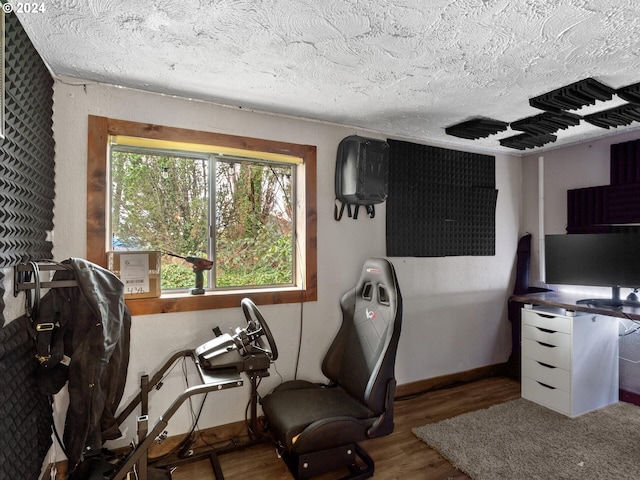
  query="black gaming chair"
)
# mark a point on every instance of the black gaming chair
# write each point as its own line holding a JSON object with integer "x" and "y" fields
{"x": 317, "y": 427}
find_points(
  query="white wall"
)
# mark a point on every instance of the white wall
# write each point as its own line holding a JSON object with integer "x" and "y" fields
{"x": 455, "y": 308}
{"x": 577, "y": 166}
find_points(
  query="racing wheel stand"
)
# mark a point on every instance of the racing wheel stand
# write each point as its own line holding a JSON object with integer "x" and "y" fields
{"x": 219, "y": 363}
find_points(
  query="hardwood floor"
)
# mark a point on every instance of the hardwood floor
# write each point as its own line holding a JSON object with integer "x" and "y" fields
{"x": 397, "y": 456}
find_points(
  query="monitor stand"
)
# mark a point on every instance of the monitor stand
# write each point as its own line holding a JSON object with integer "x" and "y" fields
{"x": 614, "y": 302}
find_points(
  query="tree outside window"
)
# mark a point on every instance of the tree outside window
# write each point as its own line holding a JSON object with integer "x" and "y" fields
{"x": 236, "y": 211}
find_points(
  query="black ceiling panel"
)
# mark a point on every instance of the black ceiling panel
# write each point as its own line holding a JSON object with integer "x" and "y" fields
{"x": 547, "y": 122}
{"x": 477, "y": 128}
{"x": 630, "y": 93}
{"x": 571, "y": 97}
{"x": 615, "y": 117}
{"x": 524, "y": 141}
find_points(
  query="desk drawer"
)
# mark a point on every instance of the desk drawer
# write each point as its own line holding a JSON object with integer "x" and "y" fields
{"x": 557, "y": 323}
{"x": 550, "y": 397}
{"x": 551, "y": 355}
{"x": 550, "y": 337}
{"x": 542, "y": 372}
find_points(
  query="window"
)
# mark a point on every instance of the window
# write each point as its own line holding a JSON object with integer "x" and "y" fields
{"x": 236, "y": 211}
{"x": 246, "y": 204}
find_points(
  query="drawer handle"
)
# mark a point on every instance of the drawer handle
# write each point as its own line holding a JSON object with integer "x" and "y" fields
{"x": 548, "y": 345}
{"x": 545, "y": 316}
{"x": 545, "y": 364}
{"x": 546, "y": 330}
{"x": 546, "y": 386}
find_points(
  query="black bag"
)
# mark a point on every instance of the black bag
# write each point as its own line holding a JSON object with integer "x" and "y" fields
{"x": 362, "y": 166}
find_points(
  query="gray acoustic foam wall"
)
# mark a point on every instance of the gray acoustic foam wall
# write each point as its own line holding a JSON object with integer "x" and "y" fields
{"x": 27, "y": 152}
{"x": 441, "y": 202}
{"x": 26, "y": 214}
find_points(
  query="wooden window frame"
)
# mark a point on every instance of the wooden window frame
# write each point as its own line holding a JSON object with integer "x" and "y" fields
{"x": 101, "y": 128}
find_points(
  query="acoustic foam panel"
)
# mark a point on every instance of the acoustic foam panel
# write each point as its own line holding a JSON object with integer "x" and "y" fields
{"x": 600, "y": 208}
{"x": 26, "y": 153}
{"x": 441, "y": 202}
{"x": 477, "y": 128}
{"x": 574, "y": 96}
{"x": 26, "y": 214}
{"x": 25, "y": 414}
{"x": 625, "y": 162}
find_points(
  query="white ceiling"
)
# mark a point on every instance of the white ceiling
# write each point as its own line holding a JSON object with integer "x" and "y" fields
{"x": 406, "y": 68}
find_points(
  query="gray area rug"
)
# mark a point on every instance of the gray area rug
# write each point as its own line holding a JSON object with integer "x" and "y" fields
{"x": 523, "y": 440}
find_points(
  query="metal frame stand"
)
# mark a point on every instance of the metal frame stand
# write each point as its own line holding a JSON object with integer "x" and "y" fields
{"x": 212, "y": 381}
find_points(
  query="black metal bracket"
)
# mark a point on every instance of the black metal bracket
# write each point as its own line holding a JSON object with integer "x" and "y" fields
{"x": 23, "y": 276}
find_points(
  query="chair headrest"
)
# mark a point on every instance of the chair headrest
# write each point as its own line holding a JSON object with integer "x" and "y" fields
{"x": 377, "y": 282}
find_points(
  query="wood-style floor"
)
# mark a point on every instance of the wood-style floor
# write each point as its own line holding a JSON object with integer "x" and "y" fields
{"x": 397, "y": 456}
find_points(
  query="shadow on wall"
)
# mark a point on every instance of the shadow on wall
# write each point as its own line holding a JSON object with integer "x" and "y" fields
{"x": 450, "y": 333}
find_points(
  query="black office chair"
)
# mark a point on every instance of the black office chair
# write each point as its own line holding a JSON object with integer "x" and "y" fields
{"x": 317, "y": 427}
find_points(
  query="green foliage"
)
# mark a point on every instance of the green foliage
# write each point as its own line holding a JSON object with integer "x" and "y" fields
{"x": 265, "y": 260}
{"x": 175, "y": 275}
{"x": 254, "y": 237}
{"x": 161, "y": 202}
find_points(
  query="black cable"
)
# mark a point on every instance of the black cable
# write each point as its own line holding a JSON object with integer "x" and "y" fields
{"x": 632, "y": 331}
{"x": 31, "y": 305}
{"x": 441, "y": 386}
{"x": 301, "y": 321}
{"x": 188, "y": 436}
{"x": 55, "y": 431}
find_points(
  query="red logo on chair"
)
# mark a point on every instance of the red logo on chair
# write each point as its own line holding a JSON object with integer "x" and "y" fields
{"x": 371, "y": 315}
{"x": 373, "y": 270}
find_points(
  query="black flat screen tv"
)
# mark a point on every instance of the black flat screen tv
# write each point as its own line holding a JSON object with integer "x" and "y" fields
{"x": 601, "y": 259}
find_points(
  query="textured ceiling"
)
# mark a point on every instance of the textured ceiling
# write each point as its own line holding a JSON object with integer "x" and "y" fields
{"x": 407, "y": 68}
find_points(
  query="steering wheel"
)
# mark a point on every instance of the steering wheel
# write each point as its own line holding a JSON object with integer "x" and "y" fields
{"x": 258, "y": 327}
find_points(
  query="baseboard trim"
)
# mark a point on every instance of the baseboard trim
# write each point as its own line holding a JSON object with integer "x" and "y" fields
{"x": 450, "y": 380}
{"x": 629, "y": 397}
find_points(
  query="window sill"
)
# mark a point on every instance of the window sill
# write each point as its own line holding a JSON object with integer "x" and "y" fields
{"x": 184, "y": 302}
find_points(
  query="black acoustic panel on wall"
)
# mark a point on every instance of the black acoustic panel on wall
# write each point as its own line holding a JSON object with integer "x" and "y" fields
{"x": 604, "y": 208}
{"x": 27, "y": 181}
{"x": 588, "y": 209}
{"x": 624, "y": 203}
{"x": 25, "y": 413}
{"x": 441, "y": 202}
{"x": 1, "y": 298}
{"x": 625, "y": 162}
{"x": 26, "y": 214}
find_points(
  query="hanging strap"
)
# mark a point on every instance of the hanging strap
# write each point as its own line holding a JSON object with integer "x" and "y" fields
{"x": 32, "y": 301}
{"x": 371, "y": 210}
{"x": 49, "y": 348}
{"x": 337, "y": 214}
{"x": 49, "y": 345}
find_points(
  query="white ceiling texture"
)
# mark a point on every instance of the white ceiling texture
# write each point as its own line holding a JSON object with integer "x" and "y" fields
{"x": 406, "y": 68}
